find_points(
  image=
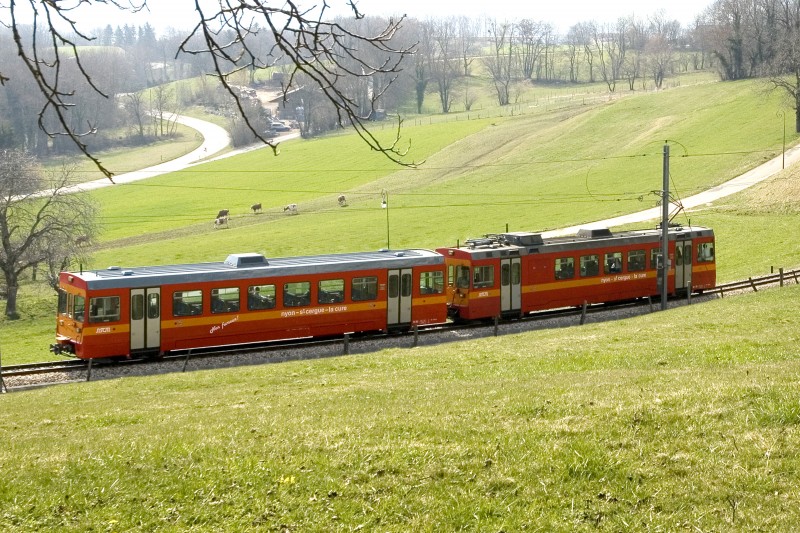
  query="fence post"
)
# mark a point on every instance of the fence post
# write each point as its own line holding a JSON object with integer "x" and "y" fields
{"x": 3, "y": 388}
{"x": 416, "y": 335}
{"x": 496, "y": 324}
{"x": 689, "y": 295}
{"x": 752, "y": 284}
{"x": 89, "y": 371}
{"x": 780, "y": 270}
{"x": 650, "y": 303}
{"x": 186, "y": 360}
{"x": 346, "y": 348}
{"x": 583, "y": 313}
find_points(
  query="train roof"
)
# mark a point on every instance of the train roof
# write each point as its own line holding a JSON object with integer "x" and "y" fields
{"x": 524, "y": 243}
{"x": 252, "y": 265}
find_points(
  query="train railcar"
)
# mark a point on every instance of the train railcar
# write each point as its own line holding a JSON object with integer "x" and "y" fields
{"x": 246, "y": 299}
{"x": 511, "y": 274}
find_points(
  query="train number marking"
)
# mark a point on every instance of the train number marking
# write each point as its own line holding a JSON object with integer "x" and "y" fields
{"x": 106, "y": 329}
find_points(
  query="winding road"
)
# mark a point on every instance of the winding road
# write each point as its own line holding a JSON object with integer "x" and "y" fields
{"x": 215, "y": 141}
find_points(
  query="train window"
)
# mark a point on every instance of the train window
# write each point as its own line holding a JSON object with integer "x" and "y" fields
{"x": 62, "y": 302}
{"x": 483, "y": 276}
{"x": 331, "y": 291}
{"x": 153, "y": 305}
{"x": 80, "y": 304}
{"x": 187, "y": 303}
{"x": 405, "y": 283}
{"x": 705, "y": 252}
{"x": 225, "y": 300}
{"x": 297, "y": 294}
{"x": 516, "y": 273}
{"x": 679, "y": 255}
{"x": 655, "y": 257}
{"x": 431, "y": 283}
{"x": 590, "y": 265}
{"x": 451, "y": 275}
{"x": 394, "y": 285}
{"x": 364, "y": 289}
{"x": 565, "y": 268}
{"x": 462, "y": 277}
{"x": 137, "y": 306}
{"x": 636, "y": 260}
{"x": 505, "y": 274}
{"x": 105, "y": 309}
{"x": 260, "y": 297}
{"x": 612, "y": 263}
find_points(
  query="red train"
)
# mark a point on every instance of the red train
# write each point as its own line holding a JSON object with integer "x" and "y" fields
{"x": 511, "y": 274}
{"x": 249, "y": 299}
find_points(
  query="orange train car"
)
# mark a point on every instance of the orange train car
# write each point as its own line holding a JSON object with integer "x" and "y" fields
{"x": 511, "y": 274}
{"x": 124, "y": 312}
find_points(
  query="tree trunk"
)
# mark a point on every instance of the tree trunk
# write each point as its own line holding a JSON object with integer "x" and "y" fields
{"x": 11, "y": 300}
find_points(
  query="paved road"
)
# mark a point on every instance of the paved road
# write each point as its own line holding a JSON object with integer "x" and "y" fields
{"x": 215, "y": 140}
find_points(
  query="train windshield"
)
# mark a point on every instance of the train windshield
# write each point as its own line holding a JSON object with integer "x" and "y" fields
{"x": 462, "y": 277}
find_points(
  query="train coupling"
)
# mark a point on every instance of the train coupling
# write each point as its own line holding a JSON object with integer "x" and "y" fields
{"x": 59, "y": 349}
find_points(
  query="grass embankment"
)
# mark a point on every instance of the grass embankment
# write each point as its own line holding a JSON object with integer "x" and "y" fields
{"x": 684, "y": 419}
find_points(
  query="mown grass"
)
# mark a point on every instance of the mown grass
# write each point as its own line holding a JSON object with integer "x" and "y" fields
{"x": 685, "y": 419}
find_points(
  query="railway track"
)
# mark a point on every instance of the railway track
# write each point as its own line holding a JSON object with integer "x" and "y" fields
{"x": 27, "y": 376}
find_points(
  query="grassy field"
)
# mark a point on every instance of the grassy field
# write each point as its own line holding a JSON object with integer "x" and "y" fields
{"x": 679, "y": 420}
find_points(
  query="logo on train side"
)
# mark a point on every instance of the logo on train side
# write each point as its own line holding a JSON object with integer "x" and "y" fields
{"x": 223, "y": 325}
{"x": 307, "y": 311}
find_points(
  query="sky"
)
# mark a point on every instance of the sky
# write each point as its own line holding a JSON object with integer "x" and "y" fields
{"x": 180, "y": 15}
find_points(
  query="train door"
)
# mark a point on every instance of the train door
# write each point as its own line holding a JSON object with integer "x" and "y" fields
{"x": 145, "y": 319}
{"x": 683, "y": 265}
{"x": 510, "y": 285}
{"x": 399, "y": 297}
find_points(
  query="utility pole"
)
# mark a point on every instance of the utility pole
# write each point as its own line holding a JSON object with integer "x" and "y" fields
{"x": 665, "y": 230}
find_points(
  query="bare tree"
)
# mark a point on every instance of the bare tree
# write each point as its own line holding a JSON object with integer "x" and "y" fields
{"x": 611, "y": 47}
{"x": 531, "y": 36}
{"x": 466, "y": 42}
{"x": 37, "y": 227}
{"x": 500, "y": 60}
{"x": 785, "y": 66}
{"x": 573, "y": 51}
{"x": 443, "y": 62}
{"x": 323, "y": 51}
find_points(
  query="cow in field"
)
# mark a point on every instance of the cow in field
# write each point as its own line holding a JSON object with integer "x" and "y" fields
{"x": 342, "y": 201}
{"x": 223, "y": 213}
{"x": 256, "y": 208}
{"x": 221, "y": 221}
{"x": 290, "y": 209}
